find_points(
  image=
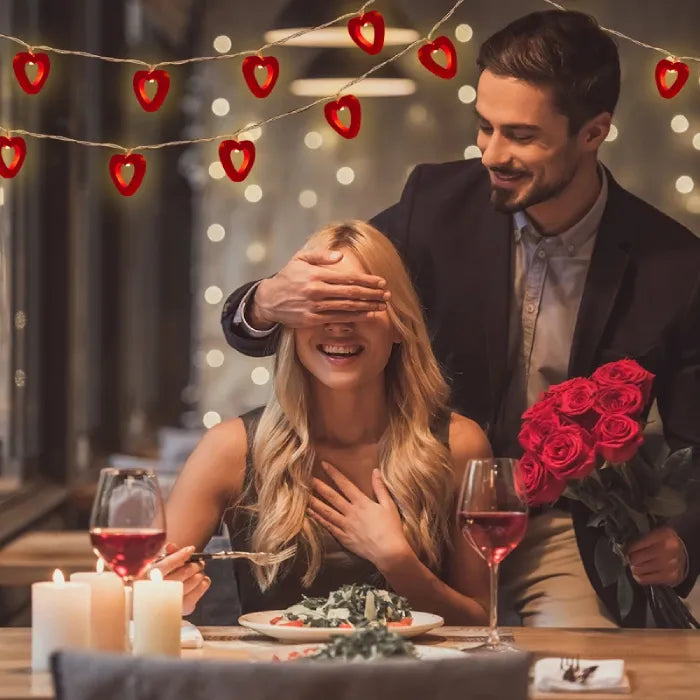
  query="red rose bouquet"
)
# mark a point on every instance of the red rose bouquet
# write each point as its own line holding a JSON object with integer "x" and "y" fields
{"x": 582, "y": 440}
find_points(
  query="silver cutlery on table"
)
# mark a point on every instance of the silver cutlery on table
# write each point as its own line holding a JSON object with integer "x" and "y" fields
{"x": 572, "y": 671}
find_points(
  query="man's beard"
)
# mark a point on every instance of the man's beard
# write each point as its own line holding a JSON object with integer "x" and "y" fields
{"x": 505, "y": 200}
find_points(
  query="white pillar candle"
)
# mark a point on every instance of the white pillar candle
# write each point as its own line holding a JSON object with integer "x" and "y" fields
{"x": 107, "y": 608}
{"x": 157, "y": 615}
{"x": 60, "y": 618}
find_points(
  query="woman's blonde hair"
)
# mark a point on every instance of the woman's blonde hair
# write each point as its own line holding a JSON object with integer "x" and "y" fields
{"x": 414, "y": 463}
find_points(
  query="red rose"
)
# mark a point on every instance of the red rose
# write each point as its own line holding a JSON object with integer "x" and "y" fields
{"x": 577, "y": 401}
{"x": 568, "y": 453}
{"x": 618, "y": 437}
{"x": 625, "y": 371}
{"x": 622, "y": 398}
{"x": 544, "y": 405}
{"x": 535, "y": 484}
{"x": 535, "y": 430}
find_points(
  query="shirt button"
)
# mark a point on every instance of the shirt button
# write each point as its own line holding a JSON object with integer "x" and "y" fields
{"x": 541, "y": 254}
{"x": 530, "y": 308}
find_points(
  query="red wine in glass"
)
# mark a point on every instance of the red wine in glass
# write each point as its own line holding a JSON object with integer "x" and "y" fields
{"x": 493, "y": 519}
{"x": 127, "y": 552}
{"x": 495, "y": 534}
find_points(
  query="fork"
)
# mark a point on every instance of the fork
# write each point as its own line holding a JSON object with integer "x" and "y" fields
{"x": 259, "y": 558}
{"x": 572, "y": 672}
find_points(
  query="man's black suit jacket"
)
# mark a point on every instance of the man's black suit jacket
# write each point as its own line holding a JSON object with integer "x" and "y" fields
{"x": 641, "y": 300}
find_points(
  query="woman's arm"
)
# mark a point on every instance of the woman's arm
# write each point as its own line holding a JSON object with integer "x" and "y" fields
{"x": 211, "y": 478}
{"x": 373, "y": 530}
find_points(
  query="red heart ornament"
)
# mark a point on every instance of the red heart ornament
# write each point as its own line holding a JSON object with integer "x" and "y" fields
{"x": 20, "y": 62}
{"x": 425, "y": 56}
{"x": 357, "y": 24}
{"x": 352, "y": 104}
{"x": 20, "y": 148}
{"x": 116, "y": 163}
{"x": 141, "y": 77}
{"x": 663, "y": 67}
{"x": 250, "y": 66}
{"x": 226, "y": 149}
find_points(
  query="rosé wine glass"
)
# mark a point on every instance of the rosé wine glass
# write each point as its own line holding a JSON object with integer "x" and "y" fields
{"x": 493, "y": 518}
{"x": 127, "y": 524}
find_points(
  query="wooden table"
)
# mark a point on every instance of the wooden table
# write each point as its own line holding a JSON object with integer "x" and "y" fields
{"x": 661, "y": 664}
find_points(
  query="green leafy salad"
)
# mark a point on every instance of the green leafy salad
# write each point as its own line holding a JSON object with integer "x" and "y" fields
{"x": 368, "y": 643}
{"x": 352, "y": 605}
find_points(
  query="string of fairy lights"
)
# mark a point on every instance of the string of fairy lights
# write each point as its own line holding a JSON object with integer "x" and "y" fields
{"x": 260, "y": 69}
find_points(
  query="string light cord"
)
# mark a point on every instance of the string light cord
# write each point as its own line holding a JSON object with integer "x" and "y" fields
{"x": 184, "y": 61}
{"x": 248, "y": 127}
{"x": 666, "y": 53}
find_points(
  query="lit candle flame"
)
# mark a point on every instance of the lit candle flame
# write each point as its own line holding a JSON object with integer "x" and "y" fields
{"x": 155, "y": 575}
{"x": 100, "y": 566}
{"x": 58, "y": 576}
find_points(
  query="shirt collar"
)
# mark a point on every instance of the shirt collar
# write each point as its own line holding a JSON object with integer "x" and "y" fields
{"x": 573, "y": 238}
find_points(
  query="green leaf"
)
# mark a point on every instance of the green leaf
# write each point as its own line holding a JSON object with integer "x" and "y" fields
{"x": 640, "y": 520}
{"x": 608, "y": 564}
{"x": 667, "y": 502}
{"x": 625, "y": 594}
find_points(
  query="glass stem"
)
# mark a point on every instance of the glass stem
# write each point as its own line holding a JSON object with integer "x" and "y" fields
{"x": 493, "y": 640}
{"x": 129, "y": 611}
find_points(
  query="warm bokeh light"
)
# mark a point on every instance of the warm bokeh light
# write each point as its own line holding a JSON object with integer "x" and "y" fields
{"x": 215, "y": 358}
{"x": 696, "y": 141}
{"x": 220, "y": 106}
{"x": 260, "y": 376}
{"x": 680, "y": 123}
{"x": 612, "y": 134}
{"x": 313, "y": 140}
{"x": 216, "y": 233}
{"x": 308, "y": 199}
{"x": 345, "y": 175}
{"x": 464, "y": 33}
{"x": 685, "y": 184}
{"x": 210, "y": 419}
{"x": 466, "y": 94}
{"x": 222, "y": 44}
{"x": 472, "y": 152}
{"x": 251, "y": 134}
{"x": 253, "y": 193}
{"x": 213, "y": 295}
{"x": 216, "y": 170}
{"x": 256, "y": 252}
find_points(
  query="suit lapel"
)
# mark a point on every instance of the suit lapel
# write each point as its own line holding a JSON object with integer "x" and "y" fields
{"x": 603, "y": 282}
{"x": 494, "y": 278}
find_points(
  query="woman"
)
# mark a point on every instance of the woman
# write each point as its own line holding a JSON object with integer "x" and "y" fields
{"x": 356, "y": 458}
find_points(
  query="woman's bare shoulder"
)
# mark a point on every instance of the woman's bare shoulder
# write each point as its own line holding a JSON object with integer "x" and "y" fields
{"x": 467, "y": 440}
{"x": 221, "y": 453}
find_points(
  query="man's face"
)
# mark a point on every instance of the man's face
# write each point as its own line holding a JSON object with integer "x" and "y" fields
{"x": 525, "y": 142}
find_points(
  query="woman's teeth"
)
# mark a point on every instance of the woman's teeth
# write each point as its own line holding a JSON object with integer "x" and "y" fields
{"x": 341, "y": 350}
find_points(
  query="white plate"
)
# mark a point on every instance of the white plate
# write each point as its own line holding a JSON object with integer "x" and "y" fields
{"x": 260, "y": 622}
{"x": 288, "y": 653}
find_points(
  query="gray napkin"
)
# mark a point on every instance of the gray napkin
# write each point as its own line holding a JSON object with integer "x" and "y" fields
{"x": 94, "y": 676}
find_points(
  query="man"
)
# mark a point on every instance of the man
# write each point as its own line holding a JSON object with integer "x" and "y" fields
{"x": 533, "y": 266}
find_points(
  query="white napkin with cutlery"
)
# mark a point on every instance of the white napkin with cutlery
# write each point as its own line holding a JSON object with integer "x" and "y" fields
{"x": 610, "y": 677}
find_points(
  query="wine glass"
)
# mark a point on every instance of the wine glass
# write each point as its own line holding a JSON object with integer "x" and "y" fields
{"x": 127, "y": 524}
{"x": 493, "y": 518}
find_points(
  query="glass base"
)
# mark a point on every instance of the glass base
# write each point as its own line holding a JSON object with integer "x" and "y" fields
{"x": 491, "y": 647}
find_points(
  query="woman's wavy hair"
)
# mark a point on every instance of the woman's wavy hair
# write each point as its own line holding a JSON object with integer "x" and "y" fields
{"x": 414, "y": 463}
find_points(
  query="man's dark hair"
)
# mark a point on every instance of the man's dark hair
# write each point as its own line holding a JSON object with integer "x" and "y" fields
{"x": 567, "y": 51}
